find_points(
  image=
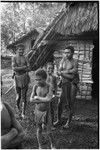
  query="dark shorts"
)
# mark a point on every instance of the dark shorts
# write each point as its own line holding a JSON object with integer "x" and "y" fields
{"x": 21, "y": 92}
{"x": 68, "y": 94}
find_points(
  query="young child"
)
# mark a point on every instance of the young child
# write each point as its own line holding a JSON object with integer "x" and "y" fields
{"x": 51, "y": 79}
{"x": 42, "y": 95}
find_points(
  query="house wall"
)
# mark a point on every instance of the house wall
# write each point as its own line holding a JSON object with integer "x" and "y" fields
{"x": 83, "y": 53}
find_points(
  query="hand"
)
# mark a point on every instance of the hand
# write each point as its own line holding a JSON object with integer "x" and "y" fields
{"x": 67, "y": 71}
{"x": 58, "y": 73}
{"x": 13, "y": 132}
{"x": 35, "y": 97}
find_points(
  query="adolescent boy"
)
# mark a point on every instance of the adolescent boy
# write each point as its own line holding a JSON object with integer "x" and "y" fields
{"x": 42, "y": 95}
{"x": 51, "y": 79}
{"x": 68, "y": 70}
{"x": 21, "y": 67}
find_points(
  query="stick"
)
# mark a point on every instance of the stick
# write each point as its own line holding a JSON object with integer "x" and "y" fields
{"x": 9, "y": 89}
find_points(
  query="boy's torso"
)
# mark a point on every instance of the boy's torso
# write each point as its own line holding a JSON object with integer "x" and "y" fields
{"x": 51, "y": 79}
{"x": 67, "y": 64}
{"x": 20, "y": 60}
{"x": 42, "y": 92}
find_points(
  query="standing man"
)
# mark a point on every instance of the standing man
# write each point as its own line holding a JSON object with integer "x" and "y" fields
{"x": 21, "y": 67}
{"x": 68, "y": 70}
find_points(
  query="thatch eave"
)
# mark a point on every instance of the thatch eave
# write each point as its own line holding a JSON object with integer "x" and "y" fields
{"x": 21, "y": 39}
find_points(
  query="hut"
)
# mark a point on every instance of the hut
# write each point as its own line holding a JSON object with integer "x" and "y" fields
{"x": 77, "y": 25}
{"x": 27, "y": 39}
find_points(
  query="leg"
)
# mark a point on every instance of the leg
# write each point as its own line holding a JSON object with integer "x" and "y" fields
{"x": 23, "y": 98}
{"x": 59, "y": 111}
{"x": 62, "y": 101}
{"x": 52, "y": 112}
{"x": 51, "y": 139}
{"x": 73, "y": 92}
{"x": 71, "y": 104}
{"x": 39, "y": 135}
{"x": 18, "y": 96}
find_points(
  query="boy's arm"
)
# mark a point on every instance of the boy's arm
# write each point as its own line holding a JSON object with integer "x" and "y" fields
{"x": 32, "y": 97}
{"x": 75, "y": 69}
{"x": 55, "y": 84}
{"x": 71, "y": 72}
{"x": 15, "y": 67}
{"x": 61, "y": 64}
{"x": 47, "y": 98}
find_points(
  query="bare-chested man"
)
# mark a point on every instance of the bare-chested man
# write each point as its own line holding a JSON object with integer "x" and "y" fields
{"x": 21, "y": 67}
{"x": 69, "y": 73}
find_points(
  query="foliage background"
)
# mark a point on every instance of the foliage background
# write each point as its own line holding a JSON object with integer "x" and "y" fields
{"x": 18, "y": 18}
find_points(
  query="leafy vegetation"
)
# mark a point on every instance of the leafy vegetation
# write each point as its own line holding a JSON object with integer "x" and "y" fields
{"x": 18, "y": 18}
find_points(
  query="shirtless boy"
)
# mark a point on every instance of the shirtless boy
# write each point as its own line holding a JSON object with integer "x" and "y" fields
{"x": 68, "y": 70}
{"x": 21, "y": 67}
{"x": 42, "y": 96}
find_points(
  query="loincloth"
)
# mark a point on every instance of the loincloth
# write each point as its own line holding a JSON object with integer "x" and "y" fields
{"x": 22, "y": 80}
{"x": 43, "y": 117}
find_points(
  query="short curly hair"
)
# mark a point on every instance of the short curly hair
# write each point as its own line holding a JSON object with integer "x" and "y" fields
{"x": 50, "y": 63}
{"x": 41, "y": 73}
{"x": 71, "y": 48}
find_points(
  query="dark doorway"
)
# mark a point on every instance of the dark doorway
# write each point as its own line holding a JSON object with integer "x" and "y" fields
{"x": 95, "y": 70}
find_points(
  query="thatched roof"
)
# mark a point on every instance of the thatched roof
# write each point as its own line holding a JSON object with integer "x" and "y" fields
{"x": 32, "y": 35}
{"x": 82, "y": 17}
{"x": 78, "y": 21}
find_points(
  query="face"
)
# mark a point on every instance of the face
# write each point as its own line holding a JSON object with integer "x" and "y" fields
{"x": 20, "y": 51}
{"x": 68, "y": 54}
{"x": 38, "y": 79}
{"x": 50, "y": 69}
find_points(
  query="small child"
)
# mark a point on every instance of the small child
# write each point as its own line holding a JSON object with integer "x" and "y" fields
{"x": 51, "y": 79}
{"x": 42, "y": 95}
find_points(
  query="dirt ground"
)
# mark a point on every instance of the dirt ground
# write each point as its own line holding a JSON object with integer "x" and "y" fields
{"x": 83, "y": 133}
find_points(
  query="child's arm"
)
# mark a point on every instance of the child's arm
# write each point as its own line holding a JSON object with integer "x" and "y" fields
{"x": 33, "y": 93}
{"x": 32, "y": 97}
{"x": 61, "y": 64}
{"x": 48, "y": 98}
{"x": 70, "y": 72}
{"x": 55, "y": 85}
{"x": 15, "y": 67}
{"x": 74, "y": 69}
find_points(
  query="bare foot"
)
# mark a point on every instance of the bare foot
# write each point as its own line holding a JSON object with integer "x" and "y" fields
{"x": 66, "y": 126}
